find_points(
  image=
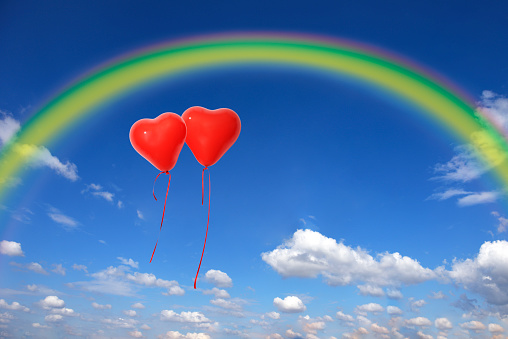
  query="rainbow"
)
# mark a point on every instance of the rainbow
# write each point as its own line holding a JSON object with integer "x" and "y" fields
{"x": 432, "y": 96}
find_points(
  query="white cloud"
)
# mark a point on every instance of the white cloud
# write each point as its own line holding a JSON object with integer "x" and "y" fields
{"x": 274, "y": 336}
{"x": 145, "y": 327}
{"x": 129, "y": 313}
{"x": 437, "y": 295}
{"x": 174, "y": 290}
{"x": 218, "y": 293}
{"x": 495, "y": 328}
{"x": 273, "y": 315}
{"x": 469, "y": 199}
{"x": 448, "y": 194}
{"x": 443, "y": 324}
{"x": 293, "y": 335}
{"x": 8, "y": 127}
{"x": 178, "y": 335}
{"x": 79, "y": 268}
{"x": 140, "y": 214}
{"x": 59, "y": 269}
{"x": 106, "y": 195}
{"x": 478, "y": 198}
{"x": 394, "y": 294}
{"x": 11, "y": 248}
{"x": 33, "y": 266}
{"x": 117, "y": 281}
{"x": 135, "y": 334}
{"x": 101, "y": 307}
{"x": 417, "y": 304}
{"x": 119, "y": 204}
{"x": 120, "y": 322}
{"x": 422, "y": 335}
{"x": 371, "y": 307}
{"x": 15, "y": 306}
{"x": 487, "y": 274}
{"x": 473, "y": 325}
{"x": 309, "y": 253}
{"x": 51, "y": 301}
{"x": 138, "y": 306}
{"x": 149, "y": 279}
{"x": 184, "y": 317}
{"x": 218, "y": 278}
{"x": 418, "y": 321}
{"x": 313, "y": 327}
{"x": 128, "y": 262}
{"x": 67, "y": 222}
{"x": 231, "y": 305}
{"x": 53, "y": 318}
{"x": 37, "y": 325}
{"x": 495, "y": 107}
{"x": 290, "y": 304}
{"x": 64, "y": 311}
{"x": 374, "y": 291}
{"x": 39, "y": 156}
{"x": 463, "y": 167}
{"x": 393, "y": 310}
{"x": 345, "y": 317}
{"x": 379, "y": 329}
{"x": 503, "y": 222}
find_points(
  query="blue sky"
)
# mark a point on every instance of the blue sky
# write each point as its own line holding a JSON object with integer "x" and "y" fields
{"x": 340, "y": 212}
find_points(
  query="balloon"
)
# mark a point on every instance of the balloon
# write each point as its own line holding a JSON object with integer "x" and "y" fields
{"x": 159, "y": 140}
{"x": 210, "y": 133}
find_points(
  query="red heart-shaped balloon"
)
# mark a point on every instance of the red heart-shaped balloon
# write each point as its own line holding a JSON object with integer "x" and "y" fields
{"x": 210, "y": 133}
{"x": 159, "y": 140}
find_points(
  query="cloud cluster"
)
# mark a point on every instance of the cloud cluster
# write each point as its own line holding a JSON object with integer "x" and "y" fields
{"x": 120, "y": 281}
{"x": 184, "y": 317}
{"x": 14, "y": 306}
{"x": 309, "y": 254}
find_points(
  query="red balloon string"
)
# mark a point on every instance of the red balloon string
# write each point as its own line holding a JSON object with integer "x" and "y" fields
{"x": 164, "y": 210}
{"x": 208, "y": 221}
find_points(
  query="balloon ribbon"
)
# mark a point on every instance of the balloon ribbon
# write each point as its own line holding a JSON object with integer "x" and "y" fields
{"x": 208, "y": 221}
{"x": 164, "y": 210}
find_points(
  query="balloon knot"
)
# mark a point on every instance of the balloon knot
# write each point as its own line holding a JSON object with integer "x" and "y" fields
{"x": 167, "y": 172}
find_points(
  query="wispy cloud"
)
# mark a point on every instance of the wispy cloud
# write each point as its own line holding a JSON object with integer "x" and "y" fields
{"x": 495, "y": 107}
{"x": 65, "y": 221}
{"x": 38, "y": 156}
{"x": 58, "y": 269}
{"x": 129, "y": 262}
{"x": 98, "y": 191}
{"x": 503, "y": 222}
{"x": 33, "y": 266}
{"x": 478, "y": 198}
{"x": 120, "y": 281}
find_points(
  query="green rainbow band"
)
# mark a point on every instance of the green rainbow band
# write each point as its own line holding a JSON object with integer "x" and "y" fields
{"x": 432, "y": 97}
